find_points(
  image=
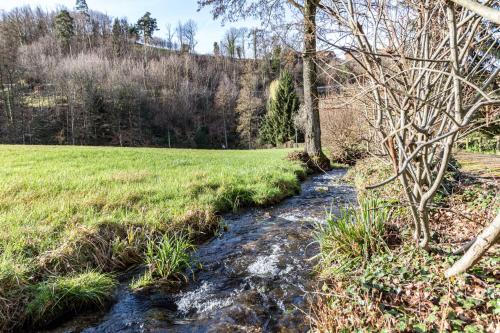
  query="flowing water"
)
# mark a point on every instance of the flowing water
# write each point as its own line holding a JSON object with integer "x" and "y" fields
{"x": 254, "y": 277}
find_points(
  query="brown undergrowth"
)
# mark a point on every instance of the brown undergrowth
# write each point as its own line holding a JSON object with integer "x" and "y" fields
{"x": 311, "y": 164}
{"x": 404, "y": 289}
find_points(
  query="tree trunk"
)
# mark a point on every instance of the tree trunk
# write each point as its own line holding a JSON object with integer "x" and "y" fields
{"x": 424, "y": 229}
{"x": 483, "y": 242}
{"x": 312, "y": 126}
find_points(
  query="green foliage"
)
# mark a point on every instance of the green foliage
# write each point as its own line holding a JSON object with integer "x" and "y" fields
{"x": 350, "y": 240}
{"x": 81, "y": 6}
{"x": 64, "y": 210}
{"x": 404, "y": 290}
{"x": 61, "y": 295}
{"x": 276, "y": 59}
{"x": 65, "y": 29}
{"x": 278, "y": 126}
{"x": 481, "y": 196}
{"x": 480, "y": 142}
{"x": 147, "y": 25}
{"x": 167, "y": 258}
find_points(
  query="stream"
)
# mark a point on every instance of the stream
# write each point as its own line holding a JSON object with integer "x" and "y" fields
{"x": 253, "y": 277}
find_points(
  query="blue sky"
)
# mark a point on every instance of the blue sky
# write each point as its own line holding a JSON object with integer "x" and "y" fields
{"x": 166, "y": 11}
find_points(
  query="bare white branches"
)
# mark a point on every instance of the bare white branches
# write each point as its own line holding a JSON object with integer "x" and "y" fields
{"x": 427, "y": 68}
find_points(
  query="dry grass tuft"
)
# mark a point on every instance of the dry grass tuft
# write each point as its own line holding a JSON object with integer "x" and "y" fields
{"x": 104, "y": 247}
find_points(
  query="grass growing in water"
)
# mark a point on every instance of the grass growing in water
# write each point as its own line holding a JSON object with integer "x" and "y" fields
{"x": 167, "y": 258}
{"x": 65, "y": 294}
{"x": 350, "y": 240}
{"x": 67, "y": 210}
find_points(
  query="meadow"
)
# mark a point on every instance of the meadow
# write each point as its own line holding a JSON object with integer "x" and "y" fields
{"x": 70, "y": 214}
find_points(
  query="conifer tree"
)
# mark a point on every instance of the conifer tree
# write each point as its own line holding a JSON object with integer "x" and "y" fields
{"x": 117, "y": 42}
{"x": 65, "y": 29}
{"x": 147, "y": 26}
{"x": 278, "y": 126}
{"x": 81, "y": 6}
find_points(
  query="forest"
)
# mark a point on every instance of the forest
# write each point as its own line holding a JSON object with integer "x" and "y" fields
{"x": 83, "y": 78}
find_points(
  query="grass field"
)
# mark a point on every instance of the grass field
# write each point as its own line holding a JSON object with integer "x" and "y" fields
{"x": 66, "y": 211}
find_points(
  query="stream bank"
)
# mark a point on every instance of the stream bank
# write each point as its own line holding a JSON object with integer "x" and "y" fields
{"x": 256, "y": 276}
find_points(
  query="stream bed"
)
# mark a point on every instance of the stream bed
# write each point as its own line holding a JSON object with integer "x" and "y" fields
{"x": 253, "y": 277}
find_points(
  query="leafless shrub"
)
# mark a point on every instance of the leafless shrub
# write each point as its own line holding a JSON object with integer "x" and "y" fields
{"x": 345, "y": 131}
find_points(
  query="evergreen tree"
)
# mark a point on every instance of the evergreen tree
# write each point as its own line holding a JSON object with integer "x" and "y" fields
{"x": 147, "y": 26}
{"x": 216, "y": 49}
{"x": 278, "y": 126}
{"x": 83, "y": 21}
{"x": 65, "y": 29}
{"x": 117, "y": 37}
{"x": 81, "y": 6}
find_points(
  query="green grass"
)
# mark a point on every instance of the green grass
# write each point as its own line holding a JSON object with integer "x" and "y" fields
{"x": 67, "y": 210}
{"x": 34, "y": 101}
{"x": 61, "y": 295}
{"x": 349, "y": 241}
{"x": 165, "y": 258}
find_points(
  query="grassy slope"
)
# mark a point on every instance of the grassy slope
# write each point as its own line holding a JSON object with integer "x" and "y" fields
{"x": 46, "y": 191}
{"x": 65, "y": 210}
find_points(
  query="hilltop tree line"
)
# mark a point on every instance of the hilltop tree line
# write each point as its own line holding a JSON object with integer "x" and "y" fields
{"x": 81, "y": 77}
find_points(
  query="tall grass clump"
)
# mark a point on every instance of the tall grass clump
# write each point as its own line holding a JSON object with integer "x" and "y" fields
{"x": 14, "y": 280}
{"x": 165, "y": 259}
{"x": 348, "y": 241}
{"x": 61, "y": 295}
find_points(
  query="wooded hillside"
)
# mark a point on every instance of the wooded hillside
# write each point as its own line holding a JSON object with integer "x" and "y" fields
{"x": 80, "y": 77}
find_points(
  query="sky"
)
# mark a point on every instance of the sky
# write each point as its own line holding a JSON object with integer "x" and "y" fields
{"x": 165, "y": 11}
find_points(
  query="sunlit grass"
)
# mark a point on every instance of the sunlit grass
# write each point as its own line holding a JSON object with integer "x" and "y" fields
{"x": 45, "y": 192}
{"x": 61, "y": 295}
{"x": 165, "y": 258}
{"x": 350, "y": 240}
{"x": 67, "y": 210}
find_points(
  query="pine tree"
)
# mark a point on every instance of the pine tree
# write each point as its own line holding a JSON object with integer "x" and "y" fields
{"x": 65, "y": 29}
{"x": 81, "y": 6}
{"x": 147, "y": 25}
{"x": 278, "y": 126}
{"x": 117, "y": 37}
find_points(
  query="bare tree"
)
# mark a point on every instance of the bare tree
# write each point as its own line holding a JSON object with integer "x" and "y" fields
{"x": 489, "y": 13}
{"x": 190, "y": 29}
{"x": 425, "y": 83}
{"x": 230, "y": 42}
{"x": 181, "y": 36}
{"x": 225, "y": 99}
{"x": 170, "y": 37}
